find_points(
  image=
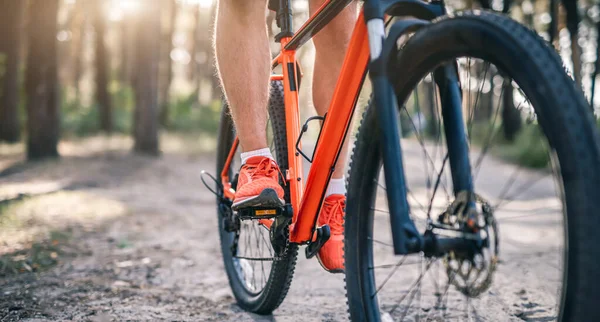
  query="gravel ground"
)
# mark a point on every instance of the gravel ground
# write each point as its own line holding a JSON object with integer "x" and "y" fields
{"x": 154, "y": 254}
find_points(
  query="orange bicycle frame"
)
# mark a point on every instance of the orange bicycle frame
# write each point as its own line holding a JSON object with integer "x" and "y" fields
{"x": 306, "y": 199}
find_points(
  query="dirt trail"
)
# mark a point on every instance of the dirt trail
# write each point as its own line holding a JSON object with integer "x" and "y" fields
{"x": 158, "y": 259}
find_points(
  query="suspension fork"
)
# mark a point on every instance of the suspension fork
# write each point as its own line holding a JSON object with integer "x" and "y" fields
{"x": 446, "y": 78}
{"x": 406, "y": 238}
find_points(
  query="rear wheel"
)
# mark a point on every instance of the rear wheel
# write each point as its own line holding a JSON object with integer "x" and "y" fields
{"x": 259, "y": 278}
{"x": 540, "y": 259}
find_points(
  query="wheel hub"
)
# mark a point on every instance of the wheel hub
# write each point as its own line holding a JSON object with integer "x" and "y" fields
{"x": 471, "y": 270}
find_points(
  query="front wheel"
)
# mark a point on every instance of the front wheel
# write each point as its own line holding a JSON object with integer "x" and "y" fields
{"x": 535, "y": 164}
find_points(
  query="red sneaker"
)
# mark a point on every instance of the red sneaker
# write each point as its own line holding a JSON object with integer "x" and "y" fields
{"x": 331, "y": 255}
{"x": 258, "y": 185}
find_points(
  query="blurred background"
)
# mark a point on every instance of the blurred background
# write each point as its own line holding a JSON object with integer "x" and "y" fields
{"x": 92, "y": 80}
{"x": 141, "y": 70}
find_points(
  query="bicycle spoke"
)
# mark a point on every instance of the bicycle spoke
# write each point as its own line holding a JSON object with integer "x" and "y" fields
{"x": 469, "y": 82}
{"x": 393, "y": 265}
{"x": 426, "y": 155}
{"x": 380, "y": 210}
{"x": 418, "y": 281}
{"x": 463, "y": 282}
{"x": 414, "y": 198}
{"x": 442, "y": 297}
{"x": 489, "y": 138}
{"x": 268, "y": 244}
{"x": 509, "y": 218}
{"x": 410, "y": 299}
{"x": 472, "y": 114}
{"x": 439, "y": 138}
{"x": 437, "y": 182}
{"x": 380, "y": 185}
{"x": 380, "y": 242}
{"x": 522, "y": 188}
{"x": 491, "y": 135}
{"x": 409, "y": 193}
{"x": 389, "y": 275}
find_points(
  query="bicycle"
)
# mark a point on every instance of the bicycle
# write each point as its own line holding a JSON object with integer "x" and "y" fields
{"x": 427, "y": 53}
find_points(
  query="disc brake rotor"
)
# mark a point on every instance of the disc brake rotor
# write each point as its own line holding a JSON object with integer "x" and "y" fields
{"x": 471, "y": 272}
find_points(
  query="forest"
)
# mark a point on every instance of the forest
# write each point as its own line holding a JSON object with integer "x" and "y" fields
{"x": 135, "y": 68}
{"x": 79, "y": 68}
{"x": 110, "y": 109}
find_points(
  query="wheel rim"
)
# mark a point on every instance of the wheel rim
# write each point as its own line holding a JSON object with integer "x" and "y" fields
{"x": 523, "y": 201}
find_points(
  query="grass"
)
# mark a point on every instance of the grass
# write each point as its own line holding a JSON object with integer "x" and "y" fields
{"x": 529, "y": 149}
{"x": 35, "y": 231}
{"x": 38, "y": 257}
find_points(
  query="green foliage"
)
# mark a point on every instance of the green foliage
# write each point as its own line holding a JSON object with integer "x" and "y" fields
{"x": 123, "y": 98}
{"x": 529, "y": 149}
{"x": 186, "y": 115}
{"x": 124, "y": 243}
{"x": 78, "y": 119}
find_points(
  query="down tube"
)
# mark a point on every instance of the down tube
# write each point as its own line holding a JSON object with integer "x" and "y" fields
{"x": 333, "y": 133}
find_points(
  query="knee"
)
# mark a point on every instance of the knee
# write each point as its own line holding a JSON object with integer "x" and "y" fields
{"x": 339, "y": 31}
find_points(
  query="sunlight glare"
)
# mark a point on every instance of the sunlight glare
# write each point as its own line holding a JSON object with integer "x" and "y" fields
{"x": 204, "y": 4}
{"x": 128, "y": 5}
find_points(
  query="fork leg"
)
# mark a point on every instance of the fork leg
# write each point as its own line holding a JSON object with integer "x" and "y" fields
{"x": 406, "y": 238}
{"x": 446, "y": 78}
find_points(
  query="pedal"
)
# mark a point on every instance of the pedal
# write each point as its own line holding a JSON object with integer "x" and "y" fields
{"x": 322, "y": 236}
{"x": 263, "y": 212}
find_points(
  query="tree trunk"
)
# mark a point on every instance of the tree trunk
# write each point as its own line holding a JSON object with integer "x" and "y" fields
{"x": 484, "y": 109}
{"x": 102, "y": 96}
{"x": 123, "y": 53}
{"x": 78, "y": 32}
{"x": 573, "y": 20}
{"x": 428, "y": 107}
{"x": 146, "y": 79}
{"x": 11, "y": 18}
{"x": 168, "y": 64}
{"x": 511, "y": 117}
{"x": 41, "y": 80}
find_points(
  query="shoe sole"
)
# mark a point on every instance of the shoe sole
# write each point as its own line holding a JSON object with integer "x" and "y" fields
{"x": 332, "y": 271}
{"x": 267, "y": 198}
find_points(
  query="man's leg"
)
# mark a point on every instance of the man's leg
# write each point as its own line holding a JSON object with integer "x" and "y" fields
{"x": 243, "y": 60}
{"x": 331, "y": 44}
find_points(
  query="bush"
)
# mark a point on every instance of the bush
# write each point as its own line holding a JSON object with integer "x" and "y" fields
{"x": 530, "y": 149}
{"x": 81, "y": 120}
{"x": 78, "y": 120}
{"x": 187, "y": 115}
